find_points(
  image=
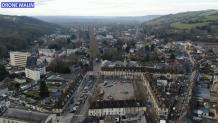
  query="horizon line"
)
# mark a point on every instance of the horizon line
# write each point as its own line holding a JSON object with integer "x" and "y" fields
{"x": 109, "y": 15}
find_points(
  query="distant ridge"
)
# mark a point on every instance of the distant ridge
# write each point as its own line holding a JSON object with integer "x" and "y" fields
{"x": 98, "y": 19}
{"x": 193, "y": 25}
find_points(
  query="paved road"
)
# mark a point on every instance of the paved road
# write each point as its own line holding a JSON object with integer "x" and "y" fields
{"x": 67, "y": 116}
{"x": 83, "y": 110}
{"x": 68, "y": 105}
{"x": 184, "y": 102}
{"x": 183, "y": 105}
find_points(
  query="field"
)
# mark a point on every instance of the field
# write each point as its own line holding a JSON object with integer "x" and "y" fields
{"x": 211, "y": 18}
{"x": 179, "y": 25}
{"x": 196, "y": 26}
{"x": 154, "y": 22}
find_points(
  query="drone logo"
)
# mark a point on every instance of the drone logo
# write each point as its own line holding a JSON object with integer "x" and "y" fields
{"x": 17, "y": 4}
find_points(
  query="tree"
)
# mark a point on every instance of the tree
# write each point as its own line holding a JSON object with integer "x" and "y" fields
{"x": 59, "y": 66}
{"x": 152, "y": 47}
{"x": 43, "y": 90}
{"x": 17, "y": 86}
{"x": 147, "y": 48}
{"x": 3, "y": 50}
{"x": 147, "y": 57}
{"x": 172, "y": 56}
{"x": 3, "y": 72}
{"x": 73, "y": 37}
{"x": 54, "y": 46}
{"x": 111, "y": 54}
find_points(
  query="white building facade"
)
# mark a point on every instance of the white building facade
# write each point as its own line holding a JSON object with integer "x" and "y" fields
{"x": 35, "y": 73}
{"x": 115, "y": 111}
{"x": 47, "y": 52}
{"x": 19, "y": 59}
{"x": 32, "y": 74}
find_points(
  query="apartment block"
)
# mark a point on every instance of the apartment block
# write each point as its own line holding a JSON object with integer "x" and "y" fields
{"x": 19, "y": 59}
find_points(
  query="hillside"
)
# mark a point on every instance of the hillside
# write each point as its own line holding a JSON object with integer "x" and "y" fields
{"x": 17, "y": 32}
{"x": 196, "y": 26}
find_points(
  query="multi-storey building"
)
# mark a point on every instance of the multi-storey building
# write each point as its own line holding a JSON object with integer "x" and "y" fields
{"x": 19, "y": 59}
{"x": 24, "y": 116}
{"x": 47, "y": 52}
{"x": 35, "y": 73}
{"x": 121, "y": 108}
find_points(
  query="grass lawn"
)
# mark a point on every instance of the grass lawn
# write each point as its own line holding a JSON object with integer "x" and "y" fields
{"x": 50, "y": 86}
{"x": 33, "y": 93}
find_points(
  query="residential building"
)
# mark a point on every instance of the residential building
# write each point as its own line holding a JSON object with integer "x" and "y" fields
{"x": 119, "y": 107}
{"x": 23, "y": 116}
{"x": 56, "y": 84}
{"x": 35, "y": 72}
{"x": 19, "y": 59}
{"x": 47, "y": 52}
{"x": 32, "y": 74}
{"x": 4, "y": 103}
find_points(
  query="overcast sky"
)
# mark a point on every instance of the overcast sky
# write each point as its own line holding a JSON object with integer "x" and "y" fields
{"x": 110, "y": 7}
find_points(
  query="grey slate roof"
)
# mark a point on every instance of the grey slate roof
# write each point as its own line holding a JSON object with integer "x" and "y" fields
{"x": 24, "y": 115}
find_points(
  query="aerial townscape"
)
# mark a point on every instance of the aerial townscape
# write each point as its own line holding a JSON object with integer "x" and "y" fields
{"x": 147, "y": 69}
